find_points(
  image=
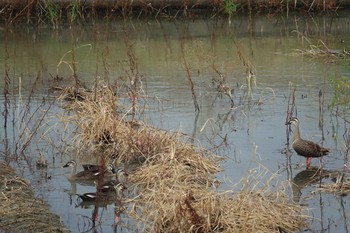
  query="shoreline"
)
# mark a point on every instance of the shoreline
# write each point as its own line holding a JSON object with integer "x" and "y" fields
{"x": 53, "y": 10}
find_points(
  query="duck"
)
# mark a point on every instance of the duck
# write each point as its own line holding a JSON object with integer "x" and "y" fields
{"x": 121, "y": 175}
{"x": 91, "y": 167}
{"x": 88, "y": 197}
{"x": 94, "y": 167}
{"x": 305, "y": 148}
{"x": 109, "y": 186}
{"x": 86, "y": 174}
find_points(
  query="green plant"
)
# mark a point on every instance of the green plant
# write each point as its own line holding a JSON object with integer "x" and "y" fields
{"x": 73, "y": 11}
{"x": 52, "y": 12}
{"x": 230, "y": 7}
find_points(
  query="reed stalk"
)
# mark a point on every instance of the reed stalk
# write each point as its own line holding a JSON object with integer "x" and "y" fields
{"x": 6, "y": 91}
{"x": 346, "y": 137}
{"x": 320, "y": 109}
{"x": 189, "y": 76}
{"x": 291, "y": 107}
{"x": 74, "y": 67}
{"x": 133, "y": 74}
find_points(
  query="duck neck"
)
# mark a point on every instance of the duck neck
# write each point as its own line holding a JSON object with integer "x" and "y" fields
{"x": 73, "y": 170}
{"x": 296, "y": 133}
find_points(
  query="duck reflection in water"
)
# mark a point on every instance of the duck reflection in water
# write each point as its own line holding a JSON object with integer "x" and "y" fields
{"x": 101, "y": 199}
{"x": 305, "y": 178}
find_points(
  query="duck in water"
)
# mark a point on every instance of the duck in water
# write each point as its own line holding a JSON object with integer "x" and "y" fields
{"x": 305, "y": 148}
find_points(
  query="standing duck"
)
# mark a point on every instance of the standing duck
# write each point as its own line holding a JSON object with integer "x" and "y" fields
{"x": 306, "y": 148}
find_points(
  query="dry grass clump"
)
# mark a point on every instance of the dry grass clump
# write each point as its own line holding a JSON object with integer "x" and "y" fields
{"x": 175, "y": 198}
{"x": 322, "y": 51}
{"x": 103, "y": 124}
{"x": 20, "y": 210}
{"x": 341, "y": 186}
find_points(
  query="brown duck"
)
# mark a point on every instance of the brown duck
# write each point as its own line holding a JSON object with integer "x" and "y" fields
{"x": 306, "y": 148}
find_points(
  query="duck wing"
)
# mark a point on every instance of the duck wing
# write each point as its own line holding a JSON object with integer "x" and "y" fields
{"x": 87, "y": 175}
{"x": 309, "y": 149}
{"x": 87, "y": 196}
{"x": 91, "y": 167}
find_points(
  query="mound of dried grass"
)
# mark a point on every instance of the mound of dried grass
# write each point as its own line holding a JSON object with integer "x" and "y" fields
{"x": 175, "y": 198}
{"x": 20, "y": 210}
{"x": 341, "y": 186}
{"x": 176, "y": 181}
{"x": 99, "y": 124}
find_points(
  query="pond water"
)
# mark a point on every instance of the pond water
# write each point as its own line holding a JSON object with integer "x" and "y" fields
{"x": 249, "y": 135}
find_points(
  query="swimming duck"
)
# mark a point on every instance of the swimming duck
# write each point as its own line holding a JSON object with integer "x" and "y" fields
{"x": 119, "y": 188}
{"x": 86, "y": 174}
{"x": 94, "y": 167}
{"x": 109, "y": 186}
{"x": 306, "y": 148}
{"x": 121, "y": 175}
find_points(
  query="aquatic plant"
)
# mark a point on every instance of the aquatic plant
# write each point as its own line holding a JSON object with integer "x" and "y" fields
{"x": 230, "y": 7}
{"x": 71, "y": 63}
{"x": 189, "y": 76}
{"x": 74, "y": 10}
{"x": 321, "y": 50}
{"x": 223, "y": 87}
{"x": 52, "y": 11}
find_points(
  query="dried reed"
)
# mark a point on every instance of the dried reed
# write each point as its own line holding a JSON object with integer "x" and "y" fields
{"x": 176, "y": 198}
{"x": 322, "y": 51}
{"x": 20, "y": 210}
{"x": 341, "y": 186}
{"x": 189, "y": 76}
{"x": 291, "y": 108}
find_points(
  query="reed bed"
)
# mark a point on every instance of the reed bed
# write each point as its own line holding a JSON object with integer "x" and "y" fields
{"x": 20, "y": 210}
{"x": 174, "y": 185}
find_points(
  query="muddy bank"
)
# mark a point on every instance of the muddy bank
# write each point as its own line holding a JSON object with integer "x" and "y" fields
{"x": 14, "y": 10}
{"x": 20, "y": 210}
{"x": 179, "y": 3}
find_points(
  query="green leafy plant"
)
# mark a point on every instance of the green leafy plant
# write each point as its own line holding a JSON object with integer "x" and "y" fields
{"x": 73, "y": 12}
{"x": 52, "y": 12}
{"x": 230, "y": 7}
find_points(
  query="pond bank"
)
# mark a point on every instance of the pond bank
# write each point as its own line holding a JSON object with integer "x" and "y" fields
{"x": 53, "y": 10}
{"x": 180, "y": 3}
{"x": 20, "y": 210}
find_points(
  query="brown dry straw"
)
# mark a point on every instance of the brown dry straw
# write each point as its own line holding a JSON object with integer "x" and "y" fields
{"x": 20, "y": 210}
{"x": 341, "y": 186}
{"x": 175, "y": 198}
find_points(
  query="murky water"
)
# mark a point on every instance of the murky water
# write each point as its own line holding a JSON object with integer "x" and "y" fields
{"x": 254, "y": 130}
